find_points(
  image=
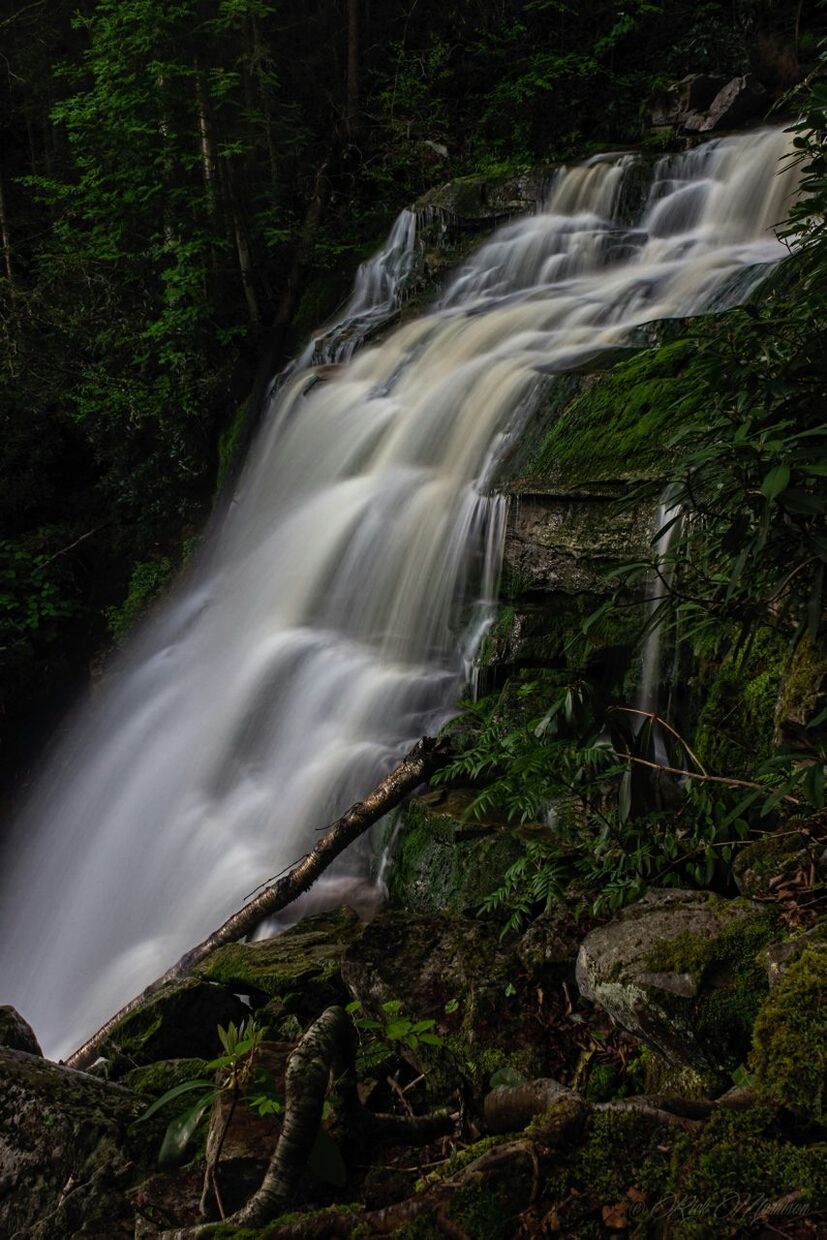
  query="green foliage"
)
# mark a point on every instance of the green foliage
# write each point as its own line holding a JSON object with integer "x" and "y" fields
{"x": 148, "y": 581}
{"x": 391, "y": 1035}
{"x": 239, "y": 1076}
{"x": 31, "y": 598}
{"x": 604, "y": 823}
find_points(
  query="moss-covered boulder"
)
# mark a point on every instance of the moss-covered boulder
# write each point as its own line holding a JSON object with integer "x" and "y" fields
{"x": 65, "y": 1161}
{"x": 180, "y": 1021}
{"x": 789, "y": 1053}
{"x": 682, "y": 970}
{"x": 444, "y": 861}
{"x": 298, "y": 972}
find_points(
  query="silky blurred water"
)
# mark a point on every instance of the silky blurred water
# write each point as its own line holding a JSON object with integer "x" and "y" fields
{"x": 333, "y": 617}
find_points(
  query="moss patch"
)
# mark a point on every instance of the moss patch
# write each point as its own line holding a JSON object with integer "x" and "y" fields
{"x": 789, "y": 1053}
{"x": 735, "y": 723}
{"x": 618, "y": 426}
{"x": 300, "y": 967}
{"x": 148, "y": 581}
{"x": 729, "y": 975}
{"x": 231, "y": 444}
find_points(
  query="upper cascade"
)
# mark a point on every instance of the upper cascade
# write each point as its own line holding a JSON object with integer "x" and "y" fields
{"x": 327, "y": 622}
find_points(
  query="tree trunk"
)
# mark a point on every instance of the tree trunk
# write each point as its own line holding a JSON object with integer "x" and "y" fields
{"x": 206, "y": 143}
{"x": 425, "y": 757}
{"x": 246, "y": 267}
{"x": 352, "y": 113}
{"x": 5, "y": 242}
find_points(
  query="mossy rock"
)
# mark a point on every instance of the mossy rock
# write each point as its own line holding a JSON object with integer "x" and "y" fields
{"x": 472, "y": 200}
{"x": 446, "y": 861}
{"x": 300, "y": 968}
{"x": 16, "y": 1033}
{"x": 59, "y": 1128}
{"x": 789, "y": 1055}
{"x": 149, "y": 1083}
{"x": 682, "y": 971}
{"x": 619, "y": 424}
{"x": 180, "y": 1021}
{"x": 562, "y": 542}
{"x": 803, "y": 688}
{"x": 735, "y": 700}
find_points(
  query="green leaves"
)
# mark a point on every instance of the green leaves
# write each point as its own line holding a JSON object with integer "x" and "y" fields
{"x": 776, "y": 481}
{"x": 235, "y": 1071}
{"x": 392, "y": 1035}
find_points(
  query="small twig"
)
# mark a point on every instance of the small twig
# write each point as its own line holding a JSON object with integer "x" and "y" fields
{"x": 76, "y": 543}
{"x": 400, "y": 1093}
{"x": 707, "y": 779}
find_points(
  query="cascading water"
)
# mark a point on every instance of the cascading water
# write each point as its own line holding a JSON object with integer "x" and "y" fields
{"x": 667, "y": 525}
{"x": 376, "y": 294}
{"x": 327, "y": 623}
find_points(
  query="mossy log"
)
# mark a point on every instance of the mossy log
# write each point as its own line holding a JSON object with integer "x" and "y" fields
{"x": 425, "y": 757}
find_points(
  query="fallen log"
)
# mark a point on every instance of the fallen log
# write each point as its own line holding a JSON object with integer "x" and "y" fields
{"x": 426, "y": 757}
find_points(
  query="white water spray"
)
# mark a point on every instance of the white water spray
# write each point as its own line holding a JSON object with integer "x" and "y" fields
{"x": 328, "y": 623}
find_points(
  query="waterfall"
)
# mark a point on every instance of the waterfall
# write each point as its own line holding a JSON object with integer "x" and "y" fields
{"x": 330, "y": 619}
{"x": 379, "y": 285}
{"x": 667, "y": 525}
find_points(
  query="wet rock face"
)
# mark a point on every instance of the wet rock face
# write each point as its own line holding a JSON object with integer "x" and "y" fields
{"x": 683, "y": 972}
{"x": 64, "y": 1162}
{"x": 16, "y": 1033}
{"x": 445, "y": 862}
{"x": 569, "y": 543}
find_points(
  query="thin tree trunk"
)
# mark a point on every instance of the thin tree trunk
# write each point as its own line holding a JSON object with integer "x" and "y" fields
{"x": 352, "y": 114}
{"x": 426, "y": 756}
{"x": 246, "y": 267}
{"x": 206, "y": 143}
{"x": 5, "y": 241}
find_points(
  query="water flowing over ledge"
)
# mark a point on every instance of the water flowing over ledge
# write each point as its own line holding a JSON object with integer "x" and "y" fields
{"x": 335, "y": 614}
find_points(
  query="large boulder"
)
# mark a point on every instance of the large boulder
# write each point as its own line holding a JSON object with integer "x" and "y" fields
{"x": 16, "y": 1033}
{"x": 737, "y": 103}
{"x": 297, "y": 973}
{"x": 683, "y": 971}
{"x": 702, "y": 102}
{"x": 65, "y": 1162}
{"x": 180, "y": 1020}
